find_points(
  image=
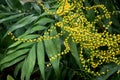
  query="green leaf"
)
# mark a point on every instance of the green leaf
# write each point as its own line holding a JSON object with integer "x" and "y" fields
{"x": 116, "y": 21}
{"x": 17, "y": 68}
{"x": 52, "y": 51}
{"x": 24, "y": 45}
{"x": 112, "y": 69}
{"x": 10, "y": 63}
{"x": 29, "y": 64}
{"x": 24, "y": 36}
{"x": 28, "y": 36}
{"x": 74, "y": 51}
{"x": 14, "y": 55}
{"x": 21, "y": 23}
{"x": 97, "y": 1}
{"x": 31, "y": 36}
{"x": 44, "y": 14}
{"x": 56, "y": 41}
{"x": 10, "y": 17}
{"x": 21, "y": 46}
{"x": 19, "y": 31}
{"x": 35, "y": 28}
{"x": 15, "y": 44}
{"x": 37, "y": 8}
{"x": 3, "y": 14}
{"x": 44, "y": 21}
{"x": 24, "y": 21}
{"x": 90, "y": 13}
{"x": 14, "y": 4}
{"x": 3, "y": 8}
{"x": 10, "y": 77}
{"x": 41, "y": 58}
{"x": 49, "y": 74}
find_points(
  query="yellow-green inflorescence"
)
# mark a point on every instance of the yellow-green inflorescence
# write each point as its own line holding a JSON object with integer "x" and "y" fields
{"x": 85, "y": 34}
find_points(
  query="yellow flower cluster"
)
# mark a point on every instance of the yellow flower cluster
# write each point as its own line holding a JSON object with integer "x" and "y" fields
{"x": 64, "y": 8}
{"x": 101, "y": 48}
{"x": 95, "y": 48}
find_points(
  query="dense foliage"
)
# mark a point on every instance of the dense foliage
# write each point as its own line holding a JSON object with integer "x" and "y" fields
{"x": 59, "y": 40}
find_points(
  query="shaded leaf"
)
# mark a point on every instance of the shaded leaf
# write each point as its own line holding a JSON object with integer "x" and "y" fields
{"x": 112, "y": 69}
{"x": 90, "y": 13}
{"x": 3, "y": 14}
{"x": 74, "y": 51}
{"x": 10, "y": 17}
{"x": 43, "y": 21}
{"x": 14, "y": 4}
